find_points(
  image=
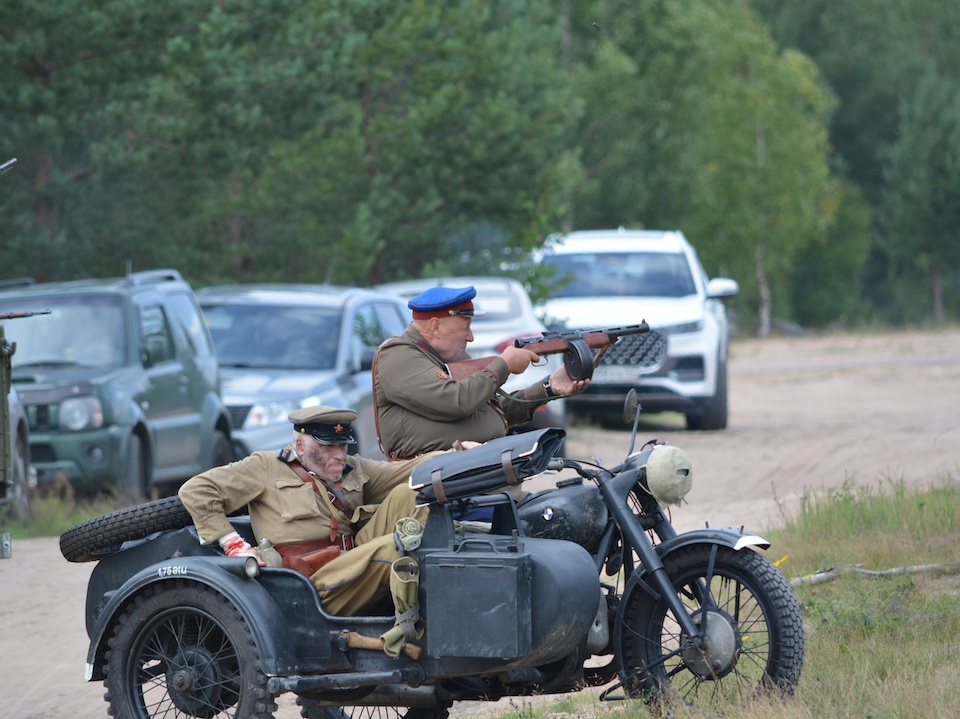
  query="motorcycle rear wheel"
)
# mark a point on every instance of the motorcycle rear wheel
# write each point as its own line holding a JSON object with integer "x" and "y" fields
{"x": 754, "y": 632}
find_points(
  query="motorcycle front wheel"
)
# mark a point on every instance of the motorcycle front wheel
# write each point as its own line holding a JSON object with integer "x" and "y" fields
{"x": 751, "y": 626}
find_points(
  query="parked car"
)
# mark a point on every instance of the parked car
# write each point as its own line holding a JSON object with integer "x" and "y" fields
{"x": 285, "y": 346}
{"x": 120, "y": 382}
{"x": 620, "y": 277}
{"x": 505, "y": 313}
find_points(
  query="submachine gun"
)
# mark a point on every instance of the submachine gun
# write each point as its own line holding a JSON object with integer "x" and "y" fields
{"x": 576, "y": 346}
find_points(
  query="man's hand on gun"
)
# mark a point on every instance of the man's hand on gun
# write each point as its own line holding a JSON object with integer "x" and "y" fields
{"x": 562, "y": 385}
{"x": 234, "y": 545}
{"x": 518, "y": 359}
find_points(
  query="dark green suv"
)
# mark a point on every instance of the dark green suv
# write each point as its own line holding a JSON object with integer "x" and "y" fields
{"x": 120, "y": 381}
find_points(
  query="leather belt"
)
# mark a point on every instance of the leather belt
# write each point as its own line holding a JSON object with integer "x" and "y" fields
{"x": 344, "y": 542}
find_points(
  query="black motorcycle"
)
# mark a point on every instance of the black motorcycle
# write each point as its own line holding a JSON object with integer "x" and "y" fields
{"x": 584, "y": 584}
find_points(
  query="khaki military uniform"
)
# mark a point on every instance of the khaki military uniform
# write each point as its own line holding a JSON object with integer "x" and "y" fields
{"x": 283, "y": 508}
{"x": 421, "y": 408}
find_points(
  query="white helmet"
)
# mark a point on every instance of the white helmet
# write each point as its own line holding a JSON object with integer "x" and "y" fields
{"x": 669, "y": 474}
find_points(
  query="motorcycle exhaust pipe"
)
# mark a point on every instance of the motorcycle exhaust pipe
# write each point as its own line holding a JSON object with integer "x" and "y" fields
{"x": 413, "y": 675}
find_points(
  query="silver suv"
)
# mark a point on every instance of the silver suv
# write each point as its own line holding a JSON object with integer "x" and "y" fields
{"x": 611, "y": 278}
{"x": 286, "y": 346}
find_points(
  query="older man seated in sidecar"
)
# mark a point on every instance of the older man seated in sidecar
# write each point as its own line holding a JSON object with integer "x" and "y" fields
{"x": 313, "y": 502}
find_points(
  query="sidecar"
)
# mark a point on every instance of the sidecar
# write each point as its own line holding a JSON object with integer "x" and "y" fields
{"x": 177, "y": 628}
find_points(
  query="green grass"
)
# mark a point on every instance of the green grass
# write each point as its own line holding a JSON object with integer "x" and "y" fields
{"x": 56, "y": 509}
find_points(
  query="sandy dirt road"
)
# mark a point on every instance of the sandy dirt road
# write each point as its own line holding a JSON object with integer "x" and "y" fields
{"x": 805, "y": 414}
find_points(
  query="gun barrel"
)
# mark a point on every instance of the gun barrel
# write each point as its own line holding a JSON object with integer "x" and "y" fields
{"x": 615, "y": 332}
{"x": 611, "y": 332}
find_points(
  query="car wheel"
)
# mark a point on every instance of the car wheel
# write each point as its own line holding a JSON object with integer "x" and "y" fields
{"x": 221, "y": 451}
{"x": 713, "y": 413}
{"x": 18, "y": 492}
{"x": 133, "y": 482}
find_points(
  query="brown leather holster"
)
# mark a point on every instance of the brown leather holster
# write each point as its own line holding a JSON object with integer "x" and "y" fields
{"x": 308, "y": 557}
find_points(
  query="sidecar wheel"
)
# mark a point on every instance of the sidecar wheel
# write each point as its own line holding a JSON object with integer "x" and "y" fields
{"x": 754, "y": 632}
{"x": 96, "y": 538}
{"x": 181, "y": 650}
{"x": 310, "y": 709}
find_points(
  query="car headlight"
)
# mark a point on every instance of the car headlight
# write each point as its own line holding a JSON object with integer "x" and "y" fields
{"x": 685, "y": 328}
{"x": 79, "y": 413}
{"x": 273, "y": 412}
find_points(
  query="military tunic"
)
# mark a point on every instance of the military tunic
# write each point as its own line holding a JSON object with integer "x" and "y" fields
{"x": 421, "y": 408}
{"x": 284, "y": 508}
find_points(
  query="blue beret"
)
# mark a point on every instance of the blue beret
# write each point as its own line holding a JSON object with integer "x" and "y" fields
{"x": 442, "y": 298}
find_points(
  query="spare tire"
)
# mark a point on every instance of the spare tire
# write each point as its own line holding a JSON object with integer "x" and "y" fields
{"x": 98, "y": 537}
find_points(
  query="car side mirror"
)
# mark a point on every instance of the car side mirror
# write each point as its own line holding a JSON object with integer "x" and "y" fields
{"x": 154, "y": 351}
{"x": 720, "y": 287}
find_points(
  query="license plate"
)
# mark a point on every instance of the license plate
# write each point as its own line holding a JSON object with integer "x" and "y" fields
{"x": 616, "y": 374}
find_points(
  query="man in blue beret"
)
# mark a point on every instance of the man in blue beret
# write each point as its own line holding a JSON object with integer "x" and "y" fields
{"x": 424, "y": 404}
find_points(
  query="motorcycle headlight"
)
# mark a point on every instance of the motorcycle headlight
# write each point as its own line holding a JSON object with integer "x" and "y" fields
{"x": 669, "y": 474}
{"x": 79, "y": 413}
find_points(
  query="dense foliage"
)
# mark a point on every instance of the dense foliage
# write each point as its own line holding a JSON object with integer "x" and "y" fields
{"x": 361, "y": 141}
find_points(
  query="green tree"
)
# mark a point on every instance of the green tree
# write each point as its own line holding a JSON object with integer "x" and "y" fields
{"x": 273, "y": 139}
{"x": 922, "y": 191}
{"x": 711, "y": 130}
{"x": 873, "y": 53}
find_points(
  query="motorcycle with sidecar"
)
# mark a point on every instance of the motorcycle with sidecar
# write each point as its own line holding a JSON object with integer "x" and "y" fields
{"x": 583, "y": 584}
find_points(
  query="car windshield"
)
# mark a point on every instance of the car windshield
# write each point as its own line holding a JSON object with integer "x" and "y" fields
{"x": 79, "y": 330}
{"x": 274, "y": 336}
{"x": 602, "y": 274}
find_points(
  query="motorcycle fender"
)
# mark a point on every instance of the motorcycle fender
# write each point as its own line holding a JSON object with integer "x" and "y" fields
{"x": 222, "y": 574}
{"x": 736, "y": 539}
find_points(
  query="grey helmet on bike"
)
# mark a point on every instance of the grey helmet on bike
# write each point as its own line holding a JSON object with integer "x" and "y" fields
{"x": 669, "y": 474}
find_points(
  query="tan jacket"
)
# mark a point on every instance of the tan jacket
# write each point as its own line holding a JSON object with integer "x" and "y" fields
{"x": 420, "y": 408}
{"x": 283, "y": 508}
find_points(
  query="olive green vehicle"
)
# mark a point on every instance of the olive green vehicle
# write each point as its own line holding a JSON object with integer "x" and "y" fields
{"x": 120, "y": 382}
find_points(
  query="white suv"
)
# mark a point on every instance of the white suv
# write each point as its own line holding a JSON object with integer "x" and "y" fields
{"x": 611, "y": 278}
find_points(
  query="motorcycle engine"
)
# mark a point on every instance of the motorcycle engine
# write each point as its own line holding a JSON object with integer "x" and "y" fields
{"x": 573, "y": 511}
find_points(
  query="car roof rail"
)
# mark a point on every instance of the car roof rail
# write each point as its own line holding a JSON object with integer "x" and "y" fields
{"x": 146, "y": 277}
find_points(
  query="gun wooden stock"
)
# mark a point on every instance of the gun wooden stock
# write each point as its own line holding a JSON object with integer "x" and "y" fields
{"x": 465, "y": 368}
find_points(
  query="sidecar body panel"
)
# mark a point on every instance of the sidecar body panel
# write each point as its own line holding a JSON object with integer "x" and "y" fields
{"x": 490, "y": 601}
{"x": 225, "y": 575}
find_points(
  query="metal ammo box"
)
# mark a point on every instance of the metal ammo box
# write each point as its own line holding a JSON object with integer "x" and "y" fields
{"x": 479, "y": 599}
